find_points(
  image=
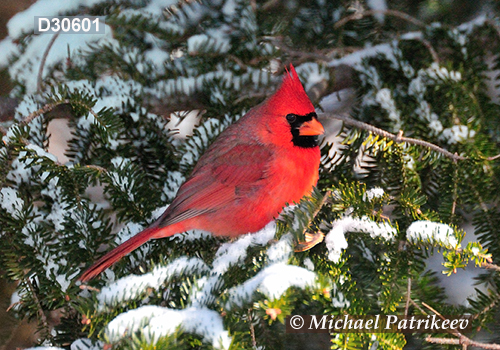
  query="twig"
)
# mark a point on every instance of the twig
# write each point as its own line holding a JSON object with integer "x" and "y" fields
{"x": 97, "y": 167}
{"x": 486, "y": 309}
{"x": 494, "y": 25}
{"x": 324, "y": 55}
{"x": 42, "y": 62}
{"x": 433, "y": 310}
{"x": 360, "y": 14}
{"x": 418, "y": 307}
{"x": 491, "y": 266}
{"x": 269, "y": 4}
{"x": 399, "y": 138}
{"x": 252, "y": 330}
{"x": 429, "y": 47}
{"x": 408, "y": 296}
{"x": 314, "y": 238}
{"x": 464, "y": 341}
{"x": 47, "y": 108}
{"x": 84, "y": 286}
{"x": 41, "y": 314}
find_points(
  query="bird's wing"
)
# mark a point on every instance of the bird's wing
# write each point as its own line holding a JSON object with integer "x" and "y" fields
{"x": 223, "y": 175}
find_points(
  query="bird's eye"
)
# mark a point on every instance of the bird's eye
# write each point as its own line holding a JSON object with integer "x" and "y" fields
{"x": 291, "y": 118}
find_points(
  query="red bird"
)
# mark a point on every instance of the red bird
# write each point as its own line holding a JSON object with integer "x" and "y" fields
{"x": 268, "y": 158}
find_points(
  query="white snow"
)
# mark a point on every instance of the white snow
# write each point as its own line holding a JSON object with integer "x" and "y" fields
{"x": 228, "y": 255}
{"x": 41, "y": 152}
{"x": 313, "y": 73}
{"x": 340, "y": 301}
{"x": 375, "y": 192}
{"x": 431, "y": 231}
{"x": 11, "y": 202}
{"x": 378, "y": 5}
{"x": 354, "y": 59}
{"x": 272, "y": 281}
{"x": 86, "y": 344}
{"x": 154, "y": 322}
{"x": 308, "y": 263}
{"x": 335, "y": 239}
{"x": 132, "y": 286}
{"x": 25, "y": 69}
{"x": 384, "y": 98}
{"x": 457, "y": 134}
{"x": 234, "y": 252}
{"x": 8, "y": 49}
{"x": 281, "y": 250}
{"x": 470, "y": 26}
{"x": 215, "y": 39}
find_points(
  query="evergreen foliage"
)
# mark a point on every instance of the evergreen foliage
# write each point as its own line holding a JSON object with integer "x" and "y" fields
{"x": 384, "y": 206}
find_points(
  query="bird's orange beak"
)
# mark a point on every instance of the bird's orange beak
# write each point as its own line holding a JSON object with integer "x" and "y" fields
{"x": 311, "y": 128}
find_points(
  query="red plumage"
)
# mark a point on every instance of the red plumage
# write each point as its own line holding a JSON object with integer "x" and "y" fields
{"x": 246, "y": 176}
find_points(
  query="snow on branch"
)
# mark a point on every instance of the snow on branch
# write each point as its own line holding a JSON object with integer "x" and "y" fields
{"x": 155, "y": 322}
{"x": 431, "y": 231}
{"x": 131, "y": 287}
{"x": 335, "y": 239}
{"x": 272, "y": 281}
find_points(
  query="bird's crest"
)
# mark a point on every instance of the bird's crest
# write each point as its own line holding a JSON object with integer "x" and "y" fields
{"x": 290, "y": 97}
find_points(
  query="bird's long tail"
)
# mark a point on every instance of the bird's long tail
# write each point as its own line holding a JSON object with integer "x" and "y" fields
{"x": 123, "y": 249}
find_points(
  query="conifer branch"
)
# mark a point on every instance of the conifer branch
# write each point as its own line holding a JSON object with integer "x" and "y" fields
{"x": 488, "y": 307}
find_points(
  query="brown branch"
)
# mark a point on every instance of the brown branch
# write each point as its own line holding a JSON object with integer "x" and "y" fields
{"x": 494, "y": 25}
{"x": 41, "y": 314}
{"x": 360, "y": 14}
{"x": 325, "y": 55}
{"x": 47, "y": 108}
{"x": 464, "y": 341}
{"x": 429, "y": 47}
{"x": 42, "y": 62}
{"x": 491, "y": 266}
{"x": 399, "y": 138}
{"x": 408, "y": 296}
{"x": 316, "y": 237}
{"x": 486, "y": 309}
{"x": 252, "y": 330}
{"x": 97, "y": 167}
{"x": 418, "y": 307}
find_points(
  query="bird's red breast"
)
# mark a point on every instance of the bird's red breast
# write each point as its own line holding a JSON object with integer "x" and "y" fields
{"x": 254, "y": 168}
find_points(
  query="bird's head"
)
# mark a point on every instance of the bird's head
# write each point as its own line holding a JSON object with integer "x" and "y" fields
{"x": 290, "y": 115}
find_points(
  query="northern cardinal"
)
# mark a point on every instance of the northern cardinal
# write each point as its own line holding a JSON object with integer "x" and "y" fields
{"x": 268, "y": 158}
